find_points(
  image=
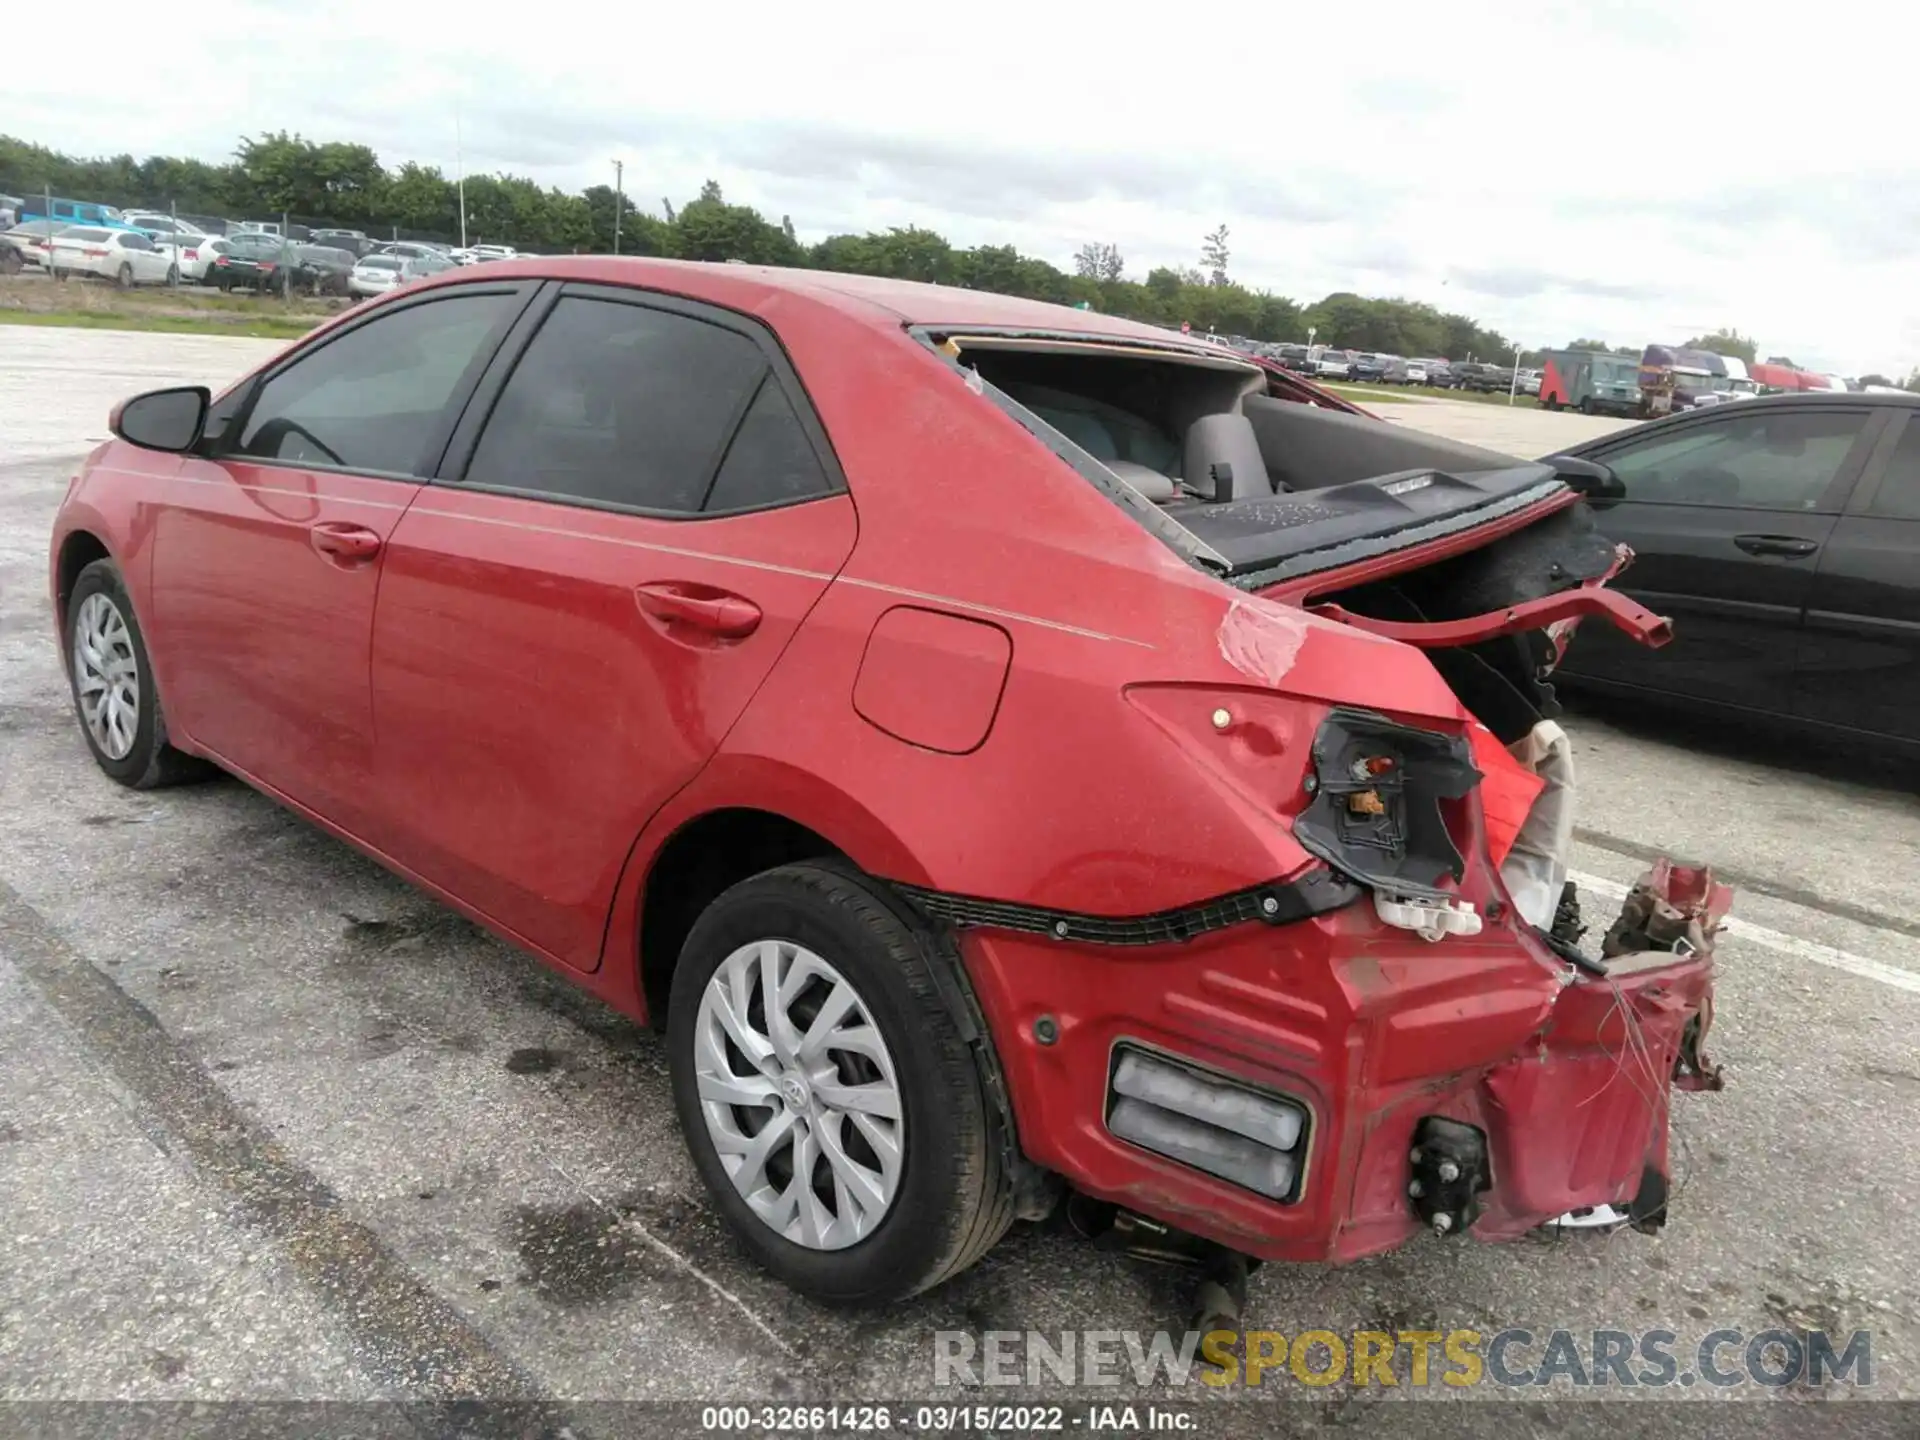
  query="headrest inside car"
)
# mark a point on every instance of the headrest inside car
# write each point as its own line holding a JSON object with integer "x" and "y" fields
{"x": 1222, "y": 459}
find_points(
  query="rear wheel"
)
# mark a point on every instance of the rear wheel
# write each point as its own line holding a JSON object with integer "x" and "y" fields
{"x": 828, "y": 1097}
{"x": 113, "y": 689}
{"x": 173, "y": 275}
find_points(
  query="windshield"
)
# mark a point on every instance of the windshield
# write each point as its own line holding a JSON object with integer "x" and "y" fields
{"x": 1616, "y": 372}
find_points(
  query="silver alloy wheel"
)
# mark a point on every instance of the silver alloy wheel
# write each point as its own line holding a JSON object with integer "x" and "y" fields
{"x": 799, "y": 1094}
{"x": 106, "y": 676}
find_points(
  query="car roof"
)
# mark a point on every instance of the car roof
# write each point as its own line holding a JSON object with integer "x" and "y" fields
{"x": 881, "y": 302}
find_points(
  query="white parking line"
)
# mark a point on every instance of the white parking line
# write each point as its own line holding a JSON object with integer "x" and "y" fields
{"x": 1813, "y": 950}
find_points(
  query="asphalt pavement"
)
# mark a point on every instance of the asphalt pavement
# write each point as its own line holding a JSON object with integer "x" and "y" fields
{"x": 276, "y": 1127}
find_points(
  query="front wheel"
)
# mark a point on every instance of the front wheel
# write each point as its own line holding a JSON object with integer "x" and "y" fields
{"x": 1586, "y": 405}
{"x": 123, "y": 277}
{"x": 828, "y": 1097}
{"x": 113, "y": 691}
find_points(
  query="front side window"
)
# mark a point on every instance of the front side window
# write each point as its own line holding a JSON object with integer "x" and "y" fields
{"x": 619, "y": 404}
{"x": 372, "y": 399}
{"x": 1784, "y": 461}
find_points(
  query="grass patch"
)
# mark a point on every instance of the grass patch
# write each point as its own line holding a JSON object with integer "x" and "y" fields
{"x": 1400, "y": 393}
{"x": 253, "y": 327}
{"x": 1367, "y": 393}
{"x": 34, "y": 299}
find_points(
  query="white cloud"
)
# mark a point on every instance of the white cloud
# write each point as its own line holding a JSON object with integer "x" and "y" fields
{"x": 1630, "y": 170}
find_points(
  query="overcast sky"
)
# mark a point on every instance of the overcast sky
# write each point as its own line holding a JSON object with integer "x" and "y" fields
{"x": 1630, "y": 171}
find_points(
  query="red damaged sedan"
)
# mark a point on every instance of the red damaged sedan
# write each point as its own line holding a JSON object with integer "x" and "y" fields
{"x": 1003, "y": 748}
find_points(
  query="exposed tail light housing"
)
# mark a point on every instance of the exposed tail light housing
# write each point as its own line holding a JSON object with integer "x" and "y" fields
{"x": 1377, "y": 814}
{"x": 1206, "y": 1121}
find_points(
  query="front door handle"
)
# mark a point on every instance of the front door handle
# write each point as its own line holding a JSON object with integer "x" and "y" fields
{"x": 349, "y": 544}
{"x": 1775, "y": 545}
{"x": 731, "y": 617}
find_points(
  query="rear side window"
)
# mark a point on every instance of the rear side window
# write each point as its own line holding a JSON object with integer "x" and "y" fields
{"x": 1776, "y": 461}
{"x": 372, "y": 399}
{"x": 771, "y": 461}
{"x": 620, "y": 404}
{"x": 1898, "y": 497}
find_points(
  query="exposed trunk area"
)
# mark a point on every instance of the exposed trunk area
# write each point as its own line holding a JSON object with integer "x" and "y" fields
{"x": 1504, "y": 679}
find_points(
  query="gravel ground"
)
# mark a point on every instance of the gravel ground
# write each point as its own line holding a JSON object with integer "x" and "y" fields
{"x": 275, "y": 1127}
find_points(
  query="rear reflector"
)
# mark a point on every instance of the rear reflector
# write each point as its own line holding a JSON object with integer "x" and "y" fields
{"x": 1198, "y": 1119}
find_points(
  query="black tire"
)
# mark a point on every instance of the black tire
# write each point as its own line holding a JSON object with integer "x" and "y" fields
{"x": 1550, "y": 403}
{"x": 123, "y": 277}
{"x": 1586, "y": 405}
{"x": 151, "y": 762}
{"x": 173, "y": 275}
{"x": 955, "y": 1196}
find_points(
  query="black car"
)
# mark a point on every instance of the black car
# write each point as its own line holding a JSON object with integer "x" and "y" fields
{"x": 1782, "y": 538}
{"x": 250, "y": 260}
{"x": 1475, "y": 375}
{"x": 1371, "y": 367}
{"x": 321, "y": 269}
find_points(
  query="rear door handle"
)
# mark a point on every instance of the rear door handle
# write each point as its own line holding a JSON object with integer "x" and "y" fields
{"x": 717, "y": 612}
{"x": 1775, "y": 545}
{"x": 337, "y": 540}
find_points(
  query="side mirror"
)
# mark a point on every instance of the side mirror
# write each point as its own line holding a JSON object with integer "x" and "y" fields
{"x": 170, "y": 420}
{"x": 1595, "y": 482}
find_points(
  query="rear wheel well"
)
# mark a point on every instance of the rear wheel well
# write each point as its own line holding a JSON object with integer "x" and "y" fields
{"x": 700, "y": 860}
{"x": 79, "y": 550}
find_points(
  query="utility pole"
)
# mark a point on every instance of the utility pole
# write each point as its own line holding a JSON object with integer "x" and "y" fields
{"x": 460, "y": 172}
{"x": 619, "y": 172}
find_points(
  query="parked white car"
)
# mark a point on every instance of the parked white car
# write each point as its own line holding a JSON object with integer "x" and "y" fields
{"x": 495, "y": 252}
{"x": 157, "y": 225}
{"x": 196, "y": 257}
{"x": 125, "y": 257}
{"x": 377, "y": 274}
{"x": 25, "y": 247}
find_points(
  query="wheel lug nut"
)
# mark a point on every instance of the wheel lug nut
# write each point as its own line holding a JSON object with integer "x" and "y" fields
{"x": 1449, "y": 1172}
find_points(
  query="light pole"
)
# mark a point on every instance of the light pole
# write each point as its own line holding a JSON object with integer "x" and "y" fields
{"x": 1514, "y": 388}
{"x": 619, "y": 171}
{"x": 460, "y": 171}
{"x": 1312, "y": 330}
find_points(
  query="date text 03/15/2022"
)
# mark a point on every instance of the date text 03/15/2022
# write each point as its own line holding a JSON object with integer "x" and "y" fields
{"x": 945, "y": 1419}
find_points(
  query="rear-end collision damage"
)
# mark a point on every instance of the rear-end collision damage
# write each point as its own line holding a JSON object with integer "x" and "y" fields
{"x": 1402, "y": 1031}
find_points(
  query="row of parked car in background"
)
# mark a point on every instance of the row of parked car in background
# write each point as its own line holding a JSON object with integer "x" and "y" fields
{"x": 1324, "y": 362}
{"x": 144, "y": 247}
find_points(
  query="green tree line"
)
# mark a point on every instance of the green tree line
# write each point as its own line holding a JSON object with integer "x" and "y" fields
{"x": 346, "y": 185}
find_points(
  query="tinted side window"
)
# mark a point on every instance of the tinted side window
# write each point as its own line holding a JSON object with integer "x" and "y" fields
{"x": 1782, "y": 461}
{"x": 618, "y": 404}
{"x": 1899, "y": 493}
{"x": 372, "y": 399}
{"x": 771, "y": 461}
